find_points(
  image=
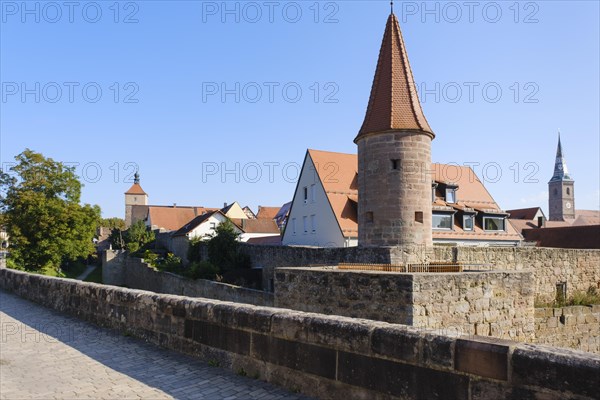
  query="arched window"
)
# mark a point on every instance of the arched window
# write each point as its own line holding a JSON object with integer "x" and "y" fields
{"x": 555, "y": 192}
{"x": 568, "y": 191}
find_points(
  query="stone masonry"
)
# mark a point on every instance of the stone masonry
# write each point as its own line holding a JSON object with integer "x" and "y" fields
{"x": 576, "y": 327}
{"x": 326, "y": 356}
{"x": 394, "y": 185}
{"x": 498, "y": 304}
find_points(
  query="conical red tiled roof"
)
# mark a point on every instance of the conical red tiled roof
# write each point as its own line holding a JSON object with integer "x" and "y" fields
{"x": 394, "y": 102}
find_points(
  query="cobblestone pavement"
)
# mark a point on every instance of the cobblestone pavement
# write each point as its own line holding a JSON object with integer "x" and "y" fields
{"x": 46, "y": 355}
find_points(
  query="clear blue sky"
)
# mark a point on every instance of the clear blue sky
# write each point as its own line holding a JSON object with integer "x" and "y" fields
{"x": 174, "y": 58}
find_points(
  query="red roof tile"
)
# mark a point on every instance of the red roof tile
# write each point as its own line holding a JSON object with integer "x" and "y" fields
{"x": 394, "y": 102}
{"x": 135, "y": 189}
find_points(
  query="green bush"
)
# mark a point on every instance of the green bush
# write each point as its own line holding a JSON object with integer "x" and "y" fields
{"x": 202, "y": 270}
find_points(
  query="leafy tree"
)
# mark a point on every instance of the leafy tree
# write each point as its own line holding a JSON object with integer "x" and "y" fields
{"x": 137, "y": 236}
{"x": 223, "y": 249}
{"x": 113, "y": 223}
{"x": 47, "y": 225}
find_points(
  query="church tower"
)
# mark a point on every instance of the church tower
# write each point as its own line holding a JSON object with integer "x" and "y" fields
{"x": 394, "y": 155}
{"x": 133, "y": 197}
{"x": 561, "y": 190}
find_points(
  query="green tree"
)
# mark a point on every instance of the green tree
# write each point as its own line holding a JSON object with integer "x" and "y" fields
{"x": 113, "y": 223}
{"x": 223, "y": 248}
{"x": 137, "y": 236}
{"x": 47, "y": 225}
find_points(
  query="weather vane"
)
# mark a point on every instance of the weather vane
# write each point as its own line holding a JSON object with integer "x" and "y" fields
{"x": 392, "y": 6}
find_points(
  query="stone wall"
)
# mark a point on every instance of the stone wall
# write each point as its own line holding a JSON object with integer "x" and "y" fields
{"x": 576, "y": 327}
{"x": 117, "y": 269}
{"x": 325, "y": 356}
{"x": 270, "y": 257}
{"x": 579, "y": 268}
{"x": 498, "y": 304}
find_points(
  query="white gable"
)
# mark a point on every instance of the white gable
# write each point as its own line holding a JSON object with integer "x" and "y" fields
{"x": 311, "y": 221}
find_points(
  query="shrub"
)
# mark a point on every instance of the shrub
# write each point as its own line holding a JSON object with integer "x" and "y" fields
{"x": 202, "y": 270}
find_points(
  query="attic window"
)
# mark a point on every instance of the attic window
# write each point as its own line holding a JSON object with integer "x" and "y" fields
{"x": 369, "y": 216}
{"x": 305, "y": 195}
{"x": 442, "y": 221}
{"x": 468, "y": 222}
{"x": 450, "y": 195}
{"x": 395, "y": 164}
{"x": 494, "y": 223}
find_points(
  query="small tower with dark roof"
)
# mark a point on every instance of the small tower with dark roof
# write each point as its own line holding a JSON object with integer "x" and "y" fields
{"x": 561, "y": 189}
{"x": 394, "y": 155}
{"x": 135, "y": 196}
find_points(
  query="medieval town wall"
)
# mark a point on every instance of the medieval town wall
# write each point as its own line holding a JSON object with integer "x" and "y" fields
{"x": 319, "y": 355}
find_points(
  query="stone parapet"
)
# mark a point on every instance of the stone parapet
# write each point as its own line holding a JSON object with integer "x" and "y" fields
{"x": 324, "y": 356}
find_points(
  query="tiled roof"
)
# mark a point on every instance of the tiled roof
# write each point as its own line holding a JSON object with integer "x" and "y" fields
{"x": 343, "y": 195}
{"x": 265, "y": 241}
{"x": 571, "y": 237}
{"x": 173, "y": 218}
{"x": 524, "y": 213}
{"x": 256, "y": 225}
{"x": 135, "y": 189}
{"x": 194, "y": 223}
{"x": 267, "y": 212}
{"x": 394, "y": 102}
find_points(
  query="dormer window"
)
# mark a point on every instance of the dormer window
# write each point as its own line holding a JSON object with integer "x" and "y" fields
{"x": 442, "y": 221}
{"x": 433, "y": 187}
{"x": 450, "y": 195}
{"x": 468, "y": 222}
{"x": 492, "y": 224}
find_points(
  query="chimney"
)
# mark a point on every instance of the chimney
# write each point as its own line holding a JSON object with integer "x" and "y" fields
{"x": 541, "y": 223}
{"x": 224, "y": 205}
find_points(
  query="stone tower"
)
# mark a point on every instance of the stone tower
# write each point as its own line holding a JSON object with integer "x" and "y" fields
{"x": 394, "y": 155}
{"x": 135, "y": 196}
{"x": 561, "y": 189}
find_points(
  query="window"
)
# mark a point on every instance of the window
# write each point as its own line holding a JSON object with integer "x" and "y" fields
{"x": 369, "y": 216}
{"x": 313, "y": 223}
{"x": 305, "y": 195}
{"x": 213, "y": 225}
{"x": 451, "y": 195}
{"x": 313, "y": 189}
{"x": 468, "y": 222}
{"x": 305, "y": 223}
{"x": 442, "y": 221}
{"x": 419, "y": 216}
{"x": 395, "y": 165}
{"x": 569, "y": 191}
{"x": 493, "y": 223}
{"x": 555, "y": 191}
{"x": 293, "y": 226}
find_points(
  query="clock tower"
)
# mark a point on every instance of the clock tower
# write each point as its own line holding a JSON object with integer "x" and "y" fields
{"x": 561, "y": 189}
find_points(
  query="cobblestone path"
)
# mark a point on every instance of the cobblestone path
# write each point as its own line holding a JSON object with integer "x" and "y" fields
{"x": 46, "y": 355}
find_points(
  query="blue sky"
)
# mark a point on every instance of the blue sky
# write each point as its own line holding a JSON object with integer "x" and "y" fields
{"x": 216, "y": 102}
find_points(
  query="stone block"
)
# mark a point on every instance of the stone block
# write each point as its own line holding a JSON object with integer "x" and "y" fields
{"x": 308, "y": 358}
{"x": 220, "y": 337}
{"x": 401, "y": 380}
{"x": 485, "y": 359}
{"x": 556, "y": 369}
{"x": 397, "y": 342}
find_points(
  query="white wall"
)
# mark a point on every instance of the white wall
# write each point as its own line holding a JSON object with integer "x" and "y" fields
{"x": 205, "y": 229}
{"x": 327, "y": 232}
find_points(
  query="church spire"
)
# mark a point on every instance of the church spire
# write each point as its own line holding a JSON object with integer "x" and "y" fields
{"x": 561, "y": 173}
{"x": 394, "y": 102}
